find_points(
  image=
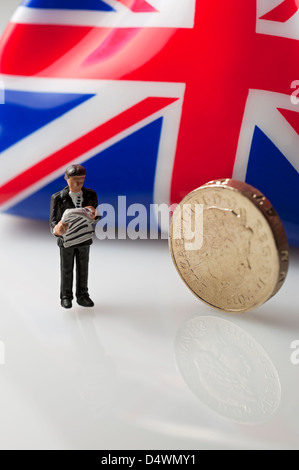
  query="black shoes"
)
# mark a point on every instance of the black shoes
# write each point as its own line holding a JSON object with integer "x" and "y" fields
{"x": 85, "y": 301}
{"x": 66, "y": 302}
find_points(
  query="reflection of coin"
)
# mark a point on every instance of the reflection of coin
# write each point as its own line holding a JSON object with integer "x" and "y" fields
{"x": 227, "y": 370}
{"x": 242, "y": 260}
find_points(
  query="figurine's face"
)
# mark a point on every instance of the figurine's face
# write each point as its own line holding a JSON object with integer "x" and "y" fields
{"x": 75, "y": 183}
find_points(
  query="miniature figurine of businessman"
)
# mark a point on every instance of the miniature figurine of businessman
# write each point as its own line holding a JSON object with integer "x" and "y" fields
{"x": 72, "y": 219}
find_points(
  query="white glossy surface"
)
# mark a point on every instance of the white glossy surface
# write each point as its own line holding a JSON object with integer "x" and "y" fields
{"x": 149, "y": 367}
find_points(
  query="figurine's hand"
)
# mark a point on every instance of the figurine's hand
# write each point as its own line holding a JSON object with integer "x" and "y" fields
{"x": 92, "y": 210}
{"x": 60, "y": 229}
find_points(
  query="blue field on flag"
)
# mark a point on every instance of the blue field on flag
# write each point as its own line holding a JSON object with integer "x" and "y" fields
{"x": 280, "y": 185}
{"x": 97, "y": 5}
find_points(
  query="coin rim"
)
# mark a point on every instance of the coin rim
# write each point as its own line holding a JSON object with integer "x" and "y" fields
{"x": 262, "y": 203}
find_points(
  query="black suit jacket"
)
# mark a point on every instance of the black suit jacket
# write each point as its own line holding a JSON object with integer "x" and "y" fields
{"x": 61, "y": 201}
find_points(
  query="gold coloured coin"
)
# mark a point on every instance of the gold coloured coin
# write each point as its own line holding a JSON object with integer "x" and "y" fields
{"x": 229, "y": 246}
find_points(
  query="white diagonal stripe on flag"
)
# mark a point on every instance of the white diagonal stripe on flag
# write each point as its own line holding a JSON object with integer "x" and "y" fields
{"x": 262, "y": 111}
{"x": 111, "y": 100}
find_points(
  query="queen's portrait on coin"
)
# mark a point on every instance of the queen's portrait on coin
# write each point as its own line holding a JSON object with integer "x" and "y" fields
{"x": 242, "y": 260}
{"x": 226, "y": 249}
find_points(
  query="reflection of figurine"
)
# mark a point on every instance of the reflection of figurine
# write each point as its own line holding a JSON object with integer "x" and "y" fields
{"x": 73, "y": 226}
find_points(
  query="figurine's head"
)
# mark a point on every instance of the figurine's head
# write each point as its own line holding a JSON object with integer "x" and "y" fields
{"x": 75, "y": 176}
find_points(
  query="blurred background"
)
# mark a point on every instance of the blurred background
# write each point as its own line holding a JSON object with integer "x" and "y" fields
{"x": 149, "y": 367}
{"x": 8, "y": 7}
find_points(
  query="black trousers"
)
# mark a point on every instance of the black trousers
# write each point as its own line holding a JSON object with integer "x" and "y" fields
{"x": 67, "y": 259}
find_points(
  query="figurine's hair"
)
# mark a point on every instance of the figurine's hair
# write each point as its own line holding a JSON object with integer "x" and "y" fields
{"x": 74, "y": 170}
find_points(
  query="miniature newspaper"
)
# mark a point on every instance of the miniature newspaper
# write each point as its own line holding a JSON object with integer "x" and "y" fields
{"x": 80, "y": 227}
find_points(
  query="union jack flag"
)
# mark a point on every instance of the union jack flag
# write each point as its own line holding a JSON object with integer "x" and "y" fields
{"x": 154, "y": 97}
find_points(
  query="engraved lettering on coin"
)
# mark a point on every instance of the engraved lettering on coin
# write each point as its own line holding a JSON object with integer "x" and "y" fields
{"x": 243, "y": 258}
{"x": 227, "y": 370}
